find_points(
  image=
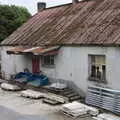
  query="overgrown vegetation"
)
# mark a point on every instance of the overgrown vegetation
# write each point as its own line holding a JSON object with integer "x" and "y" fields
{"x": 11, "y": 17}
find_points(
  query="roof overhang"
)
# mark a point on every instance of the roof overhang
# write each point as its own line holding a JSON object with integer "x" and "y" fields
{"x": 16, "y": 50}
{"x": 35, "y": 50}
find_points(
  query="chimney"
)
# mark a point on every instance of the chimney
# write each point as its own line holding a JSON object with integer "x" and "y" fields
{"x": 41, "y": 6}
{"x": 75, "y": 1}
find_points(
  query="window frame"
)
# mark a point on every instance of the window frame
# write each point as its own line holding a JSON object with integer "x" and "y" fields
{"x": 50, "y": 64}
{"x": 95, "y": 78}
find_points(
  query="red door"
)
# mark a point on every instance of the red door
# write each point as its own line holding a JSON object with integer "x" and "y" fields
{"x": 35, "y": 64}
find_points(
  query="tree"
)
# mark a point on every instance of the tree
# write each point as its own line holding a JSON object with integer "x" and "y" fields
{"x": 11, "y": 17}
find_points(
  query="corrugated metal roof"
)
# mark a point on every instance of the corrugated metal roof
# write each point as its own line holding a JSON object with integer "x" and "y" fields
{"x": 89, "y": 22}
{"x": 16, "y": 50}
{"x": 34, "y": 50}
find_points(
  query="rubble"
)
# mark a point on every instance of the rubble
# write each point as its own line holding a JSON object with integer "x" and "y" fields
{"x": 10, "y": 87}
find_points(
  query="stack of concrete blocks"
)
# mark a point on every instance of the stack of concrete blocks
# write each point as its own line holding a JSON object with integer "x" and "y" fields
{"x": 76, "y": 109}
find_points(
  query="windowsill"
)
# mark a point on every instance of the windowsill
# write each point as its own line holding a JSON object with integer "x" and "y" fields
{"x": 94, "y": 79}
{"x": 48, "y": 66}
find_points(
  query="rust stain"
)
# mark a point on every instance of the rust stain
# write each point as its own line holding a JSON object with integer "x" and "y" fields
{"x": 89, "y": 22}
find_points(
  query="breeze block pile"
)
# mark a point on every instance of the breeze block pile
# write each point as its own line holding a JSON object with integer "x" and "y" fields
{"x": 76, "y": 109}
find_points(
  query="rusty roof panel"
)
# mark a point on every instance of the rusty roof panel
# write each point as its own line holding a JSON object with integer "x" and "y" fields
{"x": 89, "y": 22}
{"x": 16, "y": 50}
{"x": 34, "y": 50}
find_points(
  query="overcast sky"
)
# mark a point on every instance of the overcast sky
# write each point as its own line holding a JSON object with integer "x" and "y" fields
{"x": 31, "y": 4}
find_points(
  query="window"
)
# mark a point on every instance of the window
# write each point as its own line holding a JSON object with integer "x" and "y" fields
{"x": 48, "y": 60}
{"x": 97, "y": 68}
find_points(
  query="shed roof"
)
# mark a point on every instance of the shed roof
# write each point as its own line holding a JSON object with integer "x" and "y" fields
{"x": 89, "y": 22}
{"x": 34, "y": 50}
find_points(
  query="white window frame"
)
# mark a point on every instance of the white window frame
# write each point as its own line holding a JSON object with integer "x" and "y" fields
{"x": 100, "y": 69}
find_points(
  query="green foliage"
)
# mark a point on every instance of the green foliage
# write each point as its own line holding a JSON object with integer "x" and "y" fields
{"x": 11, "y": 17}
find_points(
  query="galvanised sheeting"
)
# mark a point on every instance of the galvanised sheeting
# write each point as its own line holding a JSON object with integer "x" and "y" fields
{"x": 104, "y": 98}
{"x": 34, "y": 50}
{"x": 89, "y": 22}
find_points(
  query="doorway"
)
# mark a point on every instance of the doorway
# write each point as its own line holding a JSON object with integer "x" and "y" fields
{"x": 35, "y": 64}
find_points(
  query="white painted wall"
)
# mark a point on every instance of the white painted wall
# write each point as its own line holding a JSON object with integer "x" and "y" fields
{"x": 71, "y": 64}
{"x": 12, "y": 64}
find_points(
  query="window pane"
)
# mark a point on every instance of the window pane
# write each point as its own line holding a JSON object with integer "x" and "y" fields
{"x": 93, "y": 59}
{"x": 48, "y": 60}
{"x": 98, "y": 67}
{"x": 103, "y": 72}
{"x": 52, "y": 60}
{"x": 93, "y": 71}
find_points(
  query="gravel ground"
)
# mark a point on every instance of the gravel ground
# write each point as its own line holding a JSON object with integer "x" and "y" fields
{"x": 14, "y": 107}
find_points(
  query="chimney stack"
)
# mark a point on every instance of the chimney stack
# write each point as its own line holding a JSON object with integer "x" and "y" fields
{"x": 75, "y": 1}
{"x": 41, "y": 6}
